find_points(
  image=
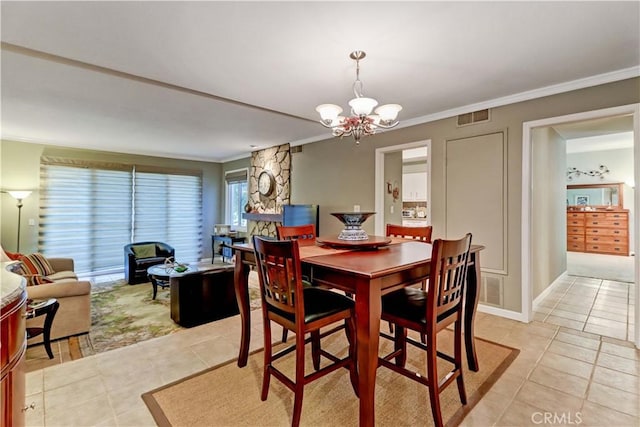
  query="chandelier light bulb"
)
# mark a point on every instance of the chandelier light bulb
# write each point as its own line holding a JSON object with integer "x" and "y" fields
{"x": 362, "y": 106}
{"x": 388, "y": 112}
{"x": 328, "y": 112}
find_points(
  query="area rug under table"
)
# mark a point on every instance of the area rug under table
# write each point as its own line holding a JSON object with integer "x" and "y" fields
{"x": 227, "y": 395}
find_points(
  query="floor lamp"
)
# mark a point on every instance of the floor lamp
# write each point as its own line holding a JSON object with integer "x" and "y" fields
{"x": 19, "y": 195}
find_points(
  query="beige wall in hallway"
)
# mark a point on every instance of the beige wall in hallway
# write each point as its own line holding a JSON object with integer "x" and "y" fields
{"x": 548, "y": 222}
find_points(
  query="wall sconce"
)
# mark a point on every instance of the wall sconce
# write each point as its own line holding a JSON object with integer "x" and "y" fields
{"x": 393, "y": 190}
{"x": 19, "y": 195}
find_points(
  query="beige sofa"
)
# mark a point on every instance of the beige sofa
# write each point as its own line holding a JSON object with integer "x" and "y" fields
{"x": 74, "y": 314}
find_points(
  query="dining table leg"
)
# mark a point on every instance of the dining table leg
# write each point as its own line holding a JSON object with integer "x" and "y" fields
{"x": 472, "y": 295}
{"x": 241, "y": 285}
{"x": 368, "y": 311}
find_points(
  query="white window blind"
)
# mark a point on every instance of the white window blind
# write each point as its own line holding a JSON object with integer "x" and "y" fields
{"x": 85, "y": 214}
{"x": 168, "y": 208}
{"x": 88, "y": 212}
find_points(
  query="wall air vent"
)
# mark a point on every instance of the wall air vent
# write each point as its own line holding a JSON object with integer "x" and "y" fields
{"x": 296, "y": 149}
{"x": 480, "y": 116}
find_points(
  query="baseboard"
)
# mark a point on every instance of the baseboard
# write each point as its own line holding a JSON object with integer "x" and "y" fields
{"x": 548, "y": 290}
{"x": 501, "y": 312}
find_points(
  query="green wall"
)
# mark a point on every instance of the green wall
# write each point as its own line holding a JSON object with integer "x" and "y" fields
{"x": 20, "y": 169}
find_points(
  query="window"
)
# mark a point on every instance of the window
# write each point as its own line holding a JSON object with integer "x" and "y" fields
{"x": 237, "y": 197}
{"x": 88, "y": 212}
{"x": 85, "y": 214}
{"x": 168, "y": 208}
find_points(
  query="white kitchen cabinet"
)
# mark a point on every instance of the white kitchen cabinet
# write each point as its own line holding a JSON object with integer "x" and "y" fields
{"x": 414, "y": 187}
{"x": 414, "y": 222}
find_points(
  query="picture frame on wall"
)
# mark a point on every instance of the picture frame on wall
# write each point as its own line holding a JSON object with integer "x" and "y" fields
{"x": 582, "y": 200}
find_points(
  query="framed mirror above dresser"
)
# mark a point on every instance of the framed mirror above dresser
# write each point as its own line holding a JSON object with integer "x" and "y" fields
{"x": 596, "y": 219}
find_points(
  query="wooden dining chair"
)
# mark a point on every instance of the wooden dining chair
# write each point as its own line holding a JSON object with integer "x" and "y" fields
{"x": 422, "y": 234}
{"x": 429, "y": 313}
{"x": 416, "y": 233}
{"x": 305, "y": 234}
{"x": 304, "y": 310}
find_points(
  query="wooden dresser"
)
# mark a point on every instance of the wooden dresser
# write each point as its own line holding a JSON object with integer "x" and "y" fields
{"x": 601, "y": 231}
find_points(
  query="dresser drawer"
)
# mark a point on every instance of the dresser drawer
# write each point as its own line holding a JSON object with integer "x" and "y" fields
{"x": 607, "y": 248}
{"x": 595, "y": 215}
{"x": 608, "y": 223}
{"x": 575, "y": 222}
{"x": 575, "y": 246}
{"x": 617, "y": 215}
{"x": 575, "y": 238}
{"x": 613, "y": 240}
{"x": 575, "y": 230}
{"x": 621, "y": 232}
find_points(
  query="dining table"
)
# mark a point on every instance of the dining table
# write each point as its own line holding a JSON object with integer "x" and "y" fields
{"x": 367, "y": 275}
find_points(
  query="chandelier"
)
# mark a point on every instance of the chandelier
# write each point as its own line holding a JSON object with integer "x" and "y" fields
{"x": 361, "y": 122}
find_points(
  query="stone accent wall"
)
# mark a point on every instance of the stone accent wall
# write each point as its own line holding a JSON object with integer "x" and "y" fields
{"x": 278, "y": 161}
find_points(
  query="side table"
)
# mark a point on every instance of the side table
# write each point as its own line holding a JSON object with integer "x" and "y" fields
{"x": 46, "y": 308}
{"x": 158, "y": 276}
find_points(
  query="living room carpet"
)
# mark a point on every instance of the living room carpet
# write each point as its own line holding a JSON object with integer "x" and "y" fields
{"x": 226, "y": 395}
{"x": 123, "y": 314}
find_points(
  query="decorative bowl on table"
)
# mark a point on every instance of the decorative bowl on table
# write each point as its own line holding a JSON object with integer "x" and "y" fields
{"x": 353, "y": 225}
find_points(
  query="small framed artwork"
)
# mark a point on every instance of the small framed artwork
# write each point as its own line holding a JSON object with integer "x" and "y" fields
{"x": 582, "y": 200}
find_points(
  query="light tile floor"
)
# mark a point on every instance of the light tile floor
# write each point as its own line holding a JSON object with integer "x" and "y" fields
{"x": 562, "y": 376}
{"x": 598, "y": 306}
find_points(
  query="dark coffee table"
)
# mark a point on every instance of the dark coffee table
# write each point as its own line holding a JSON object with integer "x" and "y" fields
{"x": 48, "y": 308}
{"x": 201, "y": 294}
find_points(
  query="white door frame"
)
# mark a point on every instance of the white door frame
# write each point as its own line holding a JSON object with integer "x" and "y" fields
{"x": 527, "y": 127}
{"x": 379, "y": 180}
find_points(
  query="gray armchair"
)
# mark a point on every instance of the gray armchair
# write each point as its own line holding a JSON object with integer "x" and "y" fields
{"x": 141, "y": 255}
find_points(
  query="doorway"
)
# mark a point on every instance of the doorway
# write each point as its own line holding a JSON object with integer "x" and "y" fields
{"x": 533, "y": 234}
{"x": 389, "y": 209}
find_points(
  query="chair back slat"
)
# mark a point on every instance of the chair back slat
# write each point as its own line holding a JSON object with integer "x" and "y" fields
{"x": 278, "y": 265}
{"x": 449, "y": 268}
{"x": 416, "y": 233}
{"x": 305, "y": 234}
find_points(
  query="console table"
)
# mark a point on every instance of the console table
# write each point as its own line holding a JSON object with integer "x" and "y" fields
{"x": 225, "y": 241}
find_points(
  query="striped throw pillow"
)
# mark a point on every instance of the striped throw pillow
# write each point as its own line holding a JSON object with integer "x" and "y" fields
{"x": 36, "y": 279}
{"x": 37, "y": 264}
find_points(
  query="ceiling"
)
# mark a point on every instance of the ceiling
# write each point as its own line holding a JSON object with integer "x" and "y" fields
{"x": 608, "y": 133}
{"x": 215, "y": 80}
